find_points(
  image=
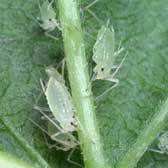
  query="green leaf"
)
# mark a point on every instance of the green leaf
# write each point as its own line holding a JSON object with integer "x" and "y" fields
{"x": 24, "y": 53}
{"x": 141, "y": 26}
{"x": 9, "y": 161}
{"x": 126, "y": 110}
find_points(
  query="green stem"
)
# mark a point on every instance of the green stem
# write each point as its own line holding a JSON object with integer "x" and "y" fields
{"x": 154, "y": 128}
{"x": 9, "y": 161}
{"x": 80, "y": 84}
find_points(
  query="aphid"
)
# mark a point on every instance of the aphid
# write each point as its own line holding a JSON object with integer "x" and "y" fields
{"x": 104, "y": 56}
{"x": 63, "y": 123}
{"x": 66, "y": 140}
{"x": 47, "y": 20}
{"x": 162, "y": 144}
{"x": 60, "y": 101}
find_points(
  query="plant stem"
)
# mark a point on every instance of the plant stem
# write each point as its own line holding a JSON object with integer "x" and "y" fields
{"x": 152, "y": 130}
{"x": 80, "y": 84}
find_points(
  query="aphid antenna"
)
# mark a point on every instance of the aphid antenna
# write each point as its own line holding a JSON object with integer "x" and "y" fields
{"x": 87, "y": 8}
{"x": 91, "y": 4}
{"x": 51, "y": 36}
{"x": 50, "y": 4}
{"x": 156, "y": 151}
{"x": 38, "y": 126}
{"x": 105, "y": 92}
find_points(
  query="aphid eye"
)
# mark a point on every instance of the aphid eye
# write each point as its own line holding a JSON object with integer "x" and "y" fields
{"x": 50, "y": 19}
{"x": 69, "y": 139}
{"x": 102, "y": 69}
{"x": 72, "y": 123}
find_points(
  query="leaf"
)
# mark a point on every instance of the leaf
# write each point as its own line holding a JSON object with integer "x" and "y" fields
{"x": 127, "y": 109}
{"x": 24, "y": 53}
{"x": 141, "y": 26}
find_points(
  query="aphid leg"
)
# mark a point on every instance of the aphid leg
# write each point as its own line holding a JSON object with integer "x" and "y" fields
{"x": 63, "y": 67}
{"x": 38, "y": 126}
{"x": 49, "y": 119}
{"x": 91, "y": 4}
{"x": 118, "y": 67}
{"x": 87, "y": 8}
{"x": 51, "y": 36}
{"x": 57, "y": 146}
{"x": 94, "y": 15}
{"x": 112, "y": 79}
{"x": 63, "y": 144}
{"x": 156, "y": 151}
{"x": 109, "y": 89}
{"x": 44, "y": 131}
{"x": 42, "y": 85}
{"x": 38, "y": 98}
{"x": 60, "y": 148}
{"x": 40, "y": 95}
{"x": 53, "y": 136}
{"x": 71, "y": 161}
{"x": 119, "y": 50}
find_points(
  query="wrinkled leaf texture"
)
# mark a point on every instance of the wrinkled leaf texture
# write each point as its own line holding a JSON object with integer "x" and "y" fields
{"x": 142, "y": 28}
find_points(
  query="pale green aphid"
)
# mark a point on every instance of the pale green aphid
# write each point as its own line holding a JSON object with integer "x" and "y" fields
{"x": 163, "y": 144}
{"x": 63, "y": 123}
{"x": 66, "y": 140}
{"x": 104, "y": 55}
{"x": 60, "y": 101}
{"x": 47, "y": 19}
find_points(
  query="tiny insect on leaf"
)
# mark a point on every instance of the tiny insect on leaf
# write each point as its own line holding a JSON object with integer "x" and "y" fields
{"x": 47, "y": 18}
{"x": 59, "y": 100}
{"x": 104, "y": 55}
{"x": 104, "y": 52}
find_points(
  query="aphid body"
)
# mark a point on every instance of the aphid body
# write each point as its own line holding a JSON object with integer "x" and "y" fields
{"x": 104, "y": 52}
{"x": 66, "y": 140}
{"x": 163, "y": 142}
{"x": 104, "y": 55}
{"x": 47, "y": 19}
{"x": 62, "y": 124}
{"x": 60, "y": 101}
